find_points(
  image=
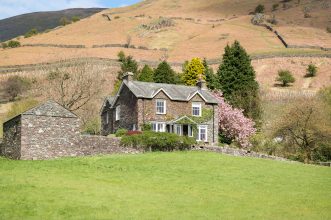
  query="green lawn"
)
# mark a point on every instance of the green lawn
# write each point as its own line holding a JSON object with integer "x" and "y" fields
{"x": 181, "y": 185}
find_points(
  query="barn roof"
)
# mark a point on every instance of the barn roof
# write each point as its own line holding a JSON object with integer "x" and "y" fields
{"x": 52, "y": 109}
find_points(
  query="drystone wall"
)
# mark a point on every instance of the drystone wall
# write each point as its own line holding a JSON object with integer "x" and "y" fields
{"x": 237, "y": 152}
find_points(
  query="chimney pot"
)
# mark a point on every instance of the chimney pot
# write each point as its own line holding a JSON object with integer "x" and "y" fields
{"x": 202, "y": 84}
{"x": 128, "y": 76}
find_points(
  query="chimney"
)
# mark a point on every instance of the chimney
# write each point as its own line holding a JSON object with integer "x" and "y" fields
{"x": 202, "y": 84}
{"x": 128, "y": 76}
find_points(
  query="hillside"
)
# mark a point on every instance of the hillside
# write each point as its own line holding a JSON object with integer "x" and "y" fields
{"x": 188, "y": 29}
{"x": 177, "y": 185}
{"x": 18, "y": 25}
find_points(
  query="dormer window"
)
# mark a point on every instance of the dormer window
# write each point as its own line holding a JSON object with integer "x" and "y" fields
{"x": 196, "y": 109}
{"x": 161, "y": 107}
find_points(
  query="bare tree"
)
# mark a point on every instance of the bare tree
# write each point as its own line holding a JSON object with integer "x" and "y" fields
{"x": 305, "y": 126}
{"x": 73, "y": 87}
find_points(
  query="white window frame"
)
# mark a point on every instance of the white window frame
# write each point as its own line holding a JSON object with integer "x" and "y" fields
{"x": 197, "y": 105}
{"x": 164, "y": 106}
{"x": 190, "y": 131}
{"x": 202, "y": 127}
{"x": 159, "y": 126}
{"x": 118, "y": 113}
{"x": 107, "y": 118}
{"x": 180, "y": 133}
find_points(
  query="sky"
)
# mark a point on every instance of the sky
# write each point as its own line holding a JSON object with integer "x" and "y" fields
{"x": 9, "y": 8}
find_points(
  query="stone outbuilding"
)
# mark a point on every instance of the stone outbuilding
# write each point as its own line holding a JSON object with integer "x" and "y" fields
{"x": 40, "y": 131}
{"x": 51, "y": 131}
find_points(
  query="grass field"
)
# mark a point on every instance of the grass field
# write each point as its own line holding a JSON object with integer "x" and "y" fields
{"x": 183, "y": 185}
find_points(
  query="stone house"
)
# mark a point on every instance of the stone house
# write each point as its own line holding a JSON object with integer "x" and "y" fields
{"x": 184, "y": 110}
{"x": 51, "y": 131}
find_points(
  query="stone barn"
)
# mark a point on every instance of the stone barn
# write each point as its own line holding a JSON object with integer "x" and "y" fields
{"x": 40, "y": 132}
{"x": 51, "y": 131}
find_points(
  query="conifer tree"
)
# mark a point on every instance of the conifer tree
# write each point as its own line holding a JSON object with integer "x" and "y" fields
{"x": 193, "y": 71}
{"x": 128, "y": 64}
{"x": 164, "y": 74}
{"x": 237, "y": 81}
{"x": 146, "y": 74}
{"x": 211, "y": 78}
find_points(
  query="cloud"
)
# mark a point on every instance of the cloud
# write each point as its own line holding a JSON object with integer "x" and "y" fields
{"x": 16, "y": 7}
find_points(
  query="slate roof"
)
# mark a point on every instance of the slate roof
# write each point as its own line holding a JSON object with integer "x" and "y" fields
{"x": 52, "y": 109}
{"x": 175, "y": 92}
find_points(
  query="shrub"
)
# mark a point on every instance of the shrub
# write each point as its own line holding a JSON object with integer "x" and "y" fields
{"x": 154, "y": 141}
{"x": 75, "y": 18}
{"x": 285, "y": 77}
{"x": 328, "y": 29}
{"x": 64, "y": 21}
{"x": 15, "y": 86}
{"x": 13, "y": 44}
{"x": 275, "y": 7}
{"x": 31, "y": 33}
{"x": 116, "y": 17}
{"x": 121, "y": 132}
{"x": 147, "y": 127}
{"x": 263, "y": 144}
{"x": 311, "y": 70}
{"x": 92, "y": 126}
{"x": 259, "y": 9}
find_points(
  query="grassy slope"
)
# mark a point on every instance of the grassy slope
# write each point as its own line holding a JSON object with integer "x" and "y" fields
{"x": 184, "y": 185}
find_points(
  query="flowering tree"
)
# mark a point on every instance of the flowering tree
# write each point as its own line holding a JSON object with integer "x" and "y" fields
{"x": 233, "y": 123}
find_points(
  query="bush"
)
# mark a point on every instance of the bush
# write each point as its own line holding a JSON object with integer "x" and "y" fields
{"x": 121, "y": 132}
{"x": 311, "y": 70}
{"x": 147, "y": 127}
{"x": 13, "y": 44}
{"x": 130, "y": 133}
{"x": 263, "y": 144}
{"x": 285, "y": 77}
{"x": 92, "y": 126}
{"x": 259, "y": 9}
{"x": 154, "y": 141}
{"x": 116, "y": 17}
{"x": 75, "y": 18}
{"x": 15, "y": 86}
{"x": 64, "y": 21}
{"x": 328, "y": 29}
{"x": 31, "y": 33}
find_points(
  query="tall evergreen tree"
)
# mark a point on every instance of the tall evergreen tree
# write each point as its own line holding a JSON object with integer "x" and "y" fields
{"x": 237, "y": 80}
{"x": 164, "y": 74}
{"x": 146, "y": 74}
{"x": 193, "y": 71}
{"x": 128, "y": 64}
{"x": 211, "y": 78}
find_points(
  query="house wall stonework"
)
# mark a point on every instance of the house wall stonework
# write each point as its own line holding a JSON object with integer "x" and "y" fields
{"x": 128, "y": 110}
{"x": 11, "y": 146}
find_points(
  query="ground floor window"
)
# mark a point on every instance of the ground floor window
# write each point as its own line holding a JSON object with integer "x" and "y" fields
{"x": 158, "y": 127}
{"x": 202, "y": 133}
{"x": 178, "y": 129}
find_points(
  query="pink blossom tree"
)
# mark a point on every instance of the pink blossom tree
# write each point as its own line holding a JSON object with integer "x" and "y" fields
{"x": 232, "y": 122}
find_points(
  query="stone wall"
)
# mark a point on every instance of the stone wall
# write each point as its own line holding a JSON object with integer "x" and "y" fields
{"x": 11, "y": 146}
{"x": 237, "y": 152}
